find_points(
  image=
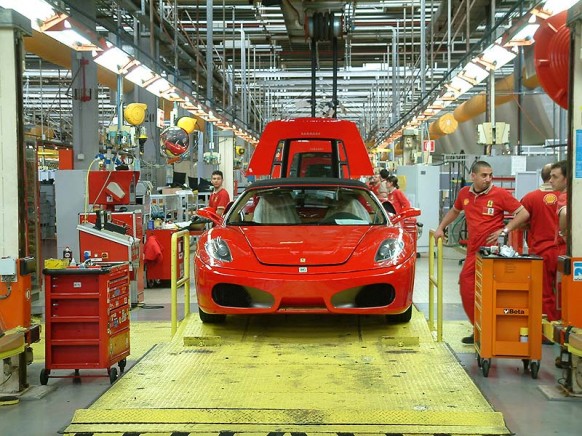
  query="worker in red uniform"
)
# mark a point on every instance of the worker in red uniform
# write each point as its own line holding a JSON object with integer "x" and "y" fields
{"x": 219, "y": 198}
{"x": 396, "y": 196}
{"x": 541, "y": 236}
{"x": 559, "y": 182}
{"x": 484, "y": 205}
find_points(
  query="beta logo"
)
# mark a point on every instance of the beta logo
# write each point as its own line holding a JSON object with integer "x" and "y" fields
{"x": 513, "y": 312}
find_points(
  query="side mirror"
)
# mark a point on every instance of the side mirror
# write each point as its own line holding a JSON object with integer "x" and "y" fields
{"x": 406, "y": 213}
{"x": 210, "y": 214}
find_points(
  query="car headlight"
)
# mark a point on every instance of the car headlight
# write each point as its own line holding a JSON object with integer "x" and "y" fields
{"x": 218, "y": 249}
{"x": 389, "y": 249}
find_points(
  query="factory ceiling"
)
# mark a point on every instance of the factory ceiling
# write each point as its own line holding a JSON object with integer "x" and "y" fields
{"x": 390, "y": 54}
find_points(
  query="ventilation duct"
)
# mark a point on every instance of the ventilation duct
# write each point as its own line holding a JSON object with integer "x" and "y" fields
{"x": 445, "y": 125}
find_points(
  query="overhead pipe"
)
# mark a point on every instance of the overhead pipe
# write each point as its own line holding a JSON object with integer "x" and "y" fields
{"x": 444, "y": 125}
{"x": 504, "y": 92}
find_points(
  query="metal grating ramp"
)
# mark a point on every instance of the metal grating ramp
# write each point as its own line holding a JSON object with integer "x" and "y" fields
{"x": 296, "y": 375}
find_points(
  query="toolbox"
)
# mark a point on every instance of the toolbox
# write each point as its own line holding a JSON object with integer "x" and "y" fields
{"x": 87, "y": 319}
{"x": 508, "y": 310}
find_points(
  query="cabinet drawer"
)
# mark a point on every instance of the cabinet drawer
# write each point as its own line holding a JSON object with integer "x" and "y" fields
{"x": 76, "y": 356}
{"x": 62, "y": 284}
{"x": 74, "y": 307}
{"x": 74, "y": 330}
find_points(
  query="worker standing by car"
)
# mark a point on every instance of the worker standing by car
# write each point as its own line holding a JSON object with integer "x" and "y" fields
{"x": 542, "y": 228}
{"x": 219, "y": 198}
{"x": 395, "y": 195}
{"x": 382, "y": 191}
{"x": 374, "y": 181}
{"x": 484, "y": 205}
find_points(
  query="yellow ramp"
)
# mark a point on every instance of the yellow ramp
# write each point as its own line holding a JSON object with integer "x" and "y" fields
{"x": 295, "y": 374}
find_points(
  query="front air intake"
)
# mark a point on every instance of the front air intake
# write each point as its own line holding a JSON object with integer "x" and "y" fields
{"x": 376, "y": 295}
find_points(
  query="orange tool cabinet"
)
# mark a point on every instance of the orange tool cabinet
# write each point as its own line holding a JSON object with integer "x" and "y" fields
{"x": 87, "y": 319}
{"x": 508, "y": 310}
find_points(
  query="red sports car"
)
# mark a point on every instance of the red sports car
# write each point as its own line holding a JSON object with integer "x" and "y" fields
{"x": 310, "y": 239}
{"x": 306, "y": 245}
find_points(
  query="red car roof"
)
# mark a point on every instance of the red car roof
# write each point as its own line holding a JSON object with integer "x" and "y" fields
{"x": 261, "y": 163}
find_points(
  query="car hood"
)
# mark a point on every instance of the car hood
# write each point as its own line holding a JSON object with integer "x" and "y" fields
{"x": 304, "y": 246}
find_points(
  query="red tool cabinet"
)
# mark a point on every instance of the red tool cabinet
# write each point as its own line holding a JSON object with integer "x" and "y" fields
{"x": 87, "y": 319}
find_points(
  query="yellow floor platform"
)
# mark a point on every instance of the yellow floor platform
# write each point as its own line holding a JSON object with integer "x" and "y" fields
{"x": 294, "y": 374}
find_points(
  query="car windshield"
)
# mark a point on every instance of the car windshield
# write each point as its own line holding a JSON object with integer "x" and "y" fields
{"x": 311, "y": 205}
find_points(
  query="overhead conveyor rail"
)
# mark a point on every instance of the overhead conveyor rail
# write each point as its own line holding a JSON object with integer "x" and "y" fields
{"x": 295, "y": 374}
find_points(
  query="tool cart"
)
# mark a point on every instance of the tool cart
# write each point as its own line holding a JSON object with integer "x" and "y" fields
{"x": 508, "y": 310}
{"x": 87, "y": 319}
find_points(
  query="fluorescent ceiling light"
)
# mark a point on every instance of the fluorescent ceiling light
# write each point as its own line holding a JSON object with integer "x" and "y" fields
{"x": 37, "y": 11}
{"x": 113, "y": 58}
{"x": 172, "y": 94}
{"x": 72, "y": 39}
{"x": 553, "y": 7}
{"x": 496, "y": 56}
{"x": 525, "y": 36}
{"x": 473, "y": 73}
{"x": 456, "y": 88}
{"x": 140, "y": 75}
{"x": 158, "y": 87}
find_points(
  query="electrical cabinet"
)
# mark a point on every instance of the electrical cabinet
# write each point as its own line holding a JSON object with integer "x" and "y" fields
{"x": 421, "y": 184}
{"x": 508, "y": 310}
{"x": 87, "y": 319}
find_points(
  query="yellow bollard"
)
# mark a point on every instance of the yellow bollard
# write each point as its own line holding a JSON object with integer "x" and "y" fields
{"x": 435, "y": 281}
{"x": 184, "y": 236}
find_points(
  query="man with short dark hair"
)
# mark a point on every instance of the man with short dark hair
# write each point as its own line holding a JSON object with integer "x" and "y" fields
{"x": 219, "y": 198}
{"x": 541, "y": 236}
{"x": 559, "y": 182}
{"x": 484, "y": 205}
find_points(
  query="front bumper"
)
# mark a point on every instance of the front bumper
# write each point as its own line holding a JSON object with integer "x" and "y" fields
{"x": 374, "y": 291}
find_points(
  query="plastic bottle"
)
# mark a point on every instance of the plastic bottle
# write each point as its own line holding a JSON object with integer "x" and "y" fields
{"x": 523, "y": 334}
{"x": 502, "y": 239}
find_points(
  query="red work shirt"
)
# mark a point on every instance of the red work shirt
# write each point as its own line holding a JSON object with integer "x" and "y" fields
{"x": 543, "y": 219}
{"x": 484, "y": 212}
{"x": 398, "y": 200}
{"x": 560, "y": 241}
{"x": 219, "y": 199}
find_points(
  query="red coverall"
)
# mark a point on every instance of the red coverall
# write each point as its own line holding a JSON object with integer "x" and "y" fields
{"x": 484, "y": 213}
{"x": 541, "y": 237}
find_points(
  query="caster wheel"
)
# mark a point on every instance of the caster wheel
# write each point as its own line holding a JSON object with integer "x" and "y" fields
{"x": 485, "y": 365}
{"x": 479, "y": 361}
{"x": 534, "y": 368}
{"x": 44, "y": 376}
{"x": 112, "y": 374}
{"x": 525, "y": 364}
{"x": 122, "y": 363}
